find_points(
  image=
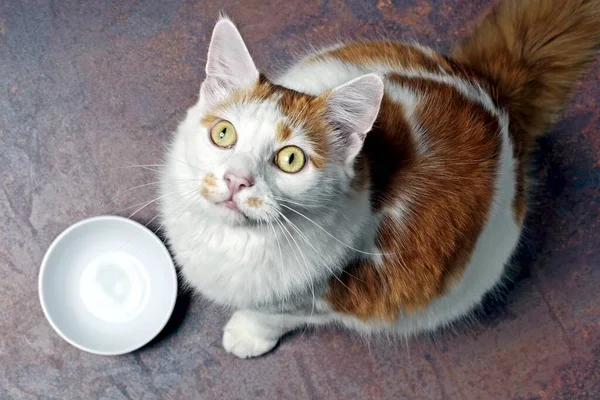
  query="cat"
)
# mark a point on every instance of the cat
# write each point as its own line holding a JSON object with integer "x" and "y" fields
{"x": 380, "y": 186}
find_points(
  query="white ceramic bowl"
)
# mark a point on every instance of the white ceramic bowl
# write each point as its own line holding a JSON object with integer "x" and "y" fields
{"x": 107, "y": 285}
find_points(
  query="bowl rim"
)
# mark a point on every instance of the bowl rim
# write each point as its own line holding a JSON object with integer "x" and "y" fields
{"x": 44, "y": 264}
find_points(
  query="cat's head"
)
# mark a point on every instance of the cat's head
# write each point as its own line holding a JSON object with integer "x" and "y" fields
{"x": 250, "y": 149}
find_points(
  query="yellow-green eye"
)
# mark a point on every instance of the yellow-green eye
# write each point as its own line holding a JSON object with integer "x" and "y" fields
{"x": 223, "y": 134}
{"x": 290, "y": 159}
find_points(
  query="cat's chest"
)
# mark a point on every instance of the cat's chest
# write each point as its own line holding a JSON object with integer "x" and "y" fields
{"x": 219, "y": 247}
{"x": 241, "y": 270}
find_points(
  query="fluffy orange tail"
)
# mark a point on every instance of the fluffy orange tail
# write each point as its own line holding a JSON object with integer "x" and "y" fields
{"x": 533, "y": 51}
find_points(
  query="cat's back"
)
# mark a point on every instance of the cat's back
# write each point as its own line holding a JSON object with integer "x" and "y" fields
{"x": 335, "y": 65}
{"x": 439, "y": 128}
{"x": 442, "y": 175}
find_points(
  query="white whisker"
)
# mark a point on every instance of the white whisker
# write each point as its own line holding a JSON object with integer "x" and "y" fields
{"x": 185, "y": 163}
{"x": 129, "y": 165}
{"x": 281, "y": 257}
{"x": 150, "y": 202}
{"x": 310, "y": 280}
{"x": 333, "y": 237}
{"x": 143, "y": 167}
{"x": 138, "y": 204}
{"x": 130, "y": 189}
{"x": 184, "y": 196}
{"x": 303, "y": 236}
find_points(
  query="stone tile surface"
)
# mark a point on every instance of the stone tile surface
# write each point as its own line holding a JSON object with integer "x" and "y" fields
{"x": 90, "y": 87}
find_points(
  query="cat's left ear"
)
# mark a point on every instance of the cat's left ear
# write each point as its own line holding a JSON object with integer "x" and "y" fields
{"x": 353, "y": 107}
{"x": 229, "y": 65}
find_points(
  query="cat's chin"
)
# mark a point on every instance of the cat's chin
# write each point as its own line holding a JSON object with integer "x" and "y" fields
{"x": 227, "y": 214}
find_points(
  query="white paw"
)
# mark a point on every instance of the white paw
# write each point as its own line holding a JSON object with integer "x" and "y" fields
{"x": 244, "y": 337}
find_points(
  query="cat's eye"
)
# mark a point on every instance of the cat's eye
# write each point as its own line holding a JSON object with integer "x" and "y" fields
{"x": 290, "y": 159}
{"x": 223, "y": 134}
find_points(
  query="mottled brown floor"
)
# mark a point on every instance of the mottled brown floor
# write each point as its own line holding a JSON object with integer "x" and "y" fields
{"x": 87, "y": 87}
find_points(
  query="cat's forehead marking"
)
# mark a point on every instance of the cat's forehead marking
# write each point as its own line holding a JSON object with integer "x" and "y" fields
{"x": 209, "y": 119}
{"x": 283, "y": 132}
{"x": 299, "y": 111}
{"x": 307, "y": 113}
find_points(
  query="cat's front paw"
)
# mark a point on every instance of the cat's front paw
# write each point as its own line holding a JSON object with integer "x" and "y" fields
{"x": 245, "y": 337}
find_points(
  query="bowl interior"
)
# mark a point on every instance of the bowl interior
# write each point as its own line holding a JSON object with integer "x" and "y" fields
{"x": 108, "y": 285}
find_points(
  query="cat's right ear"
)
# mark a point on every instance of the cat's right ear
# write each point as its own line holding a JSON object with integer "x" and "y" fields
{"x": 353, "y": 107}
{"x": 229, "y": 66}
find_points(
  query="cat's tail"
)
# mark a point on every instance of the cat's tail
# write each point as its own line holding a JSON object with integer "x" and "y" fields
{"x": 533, "y": 51}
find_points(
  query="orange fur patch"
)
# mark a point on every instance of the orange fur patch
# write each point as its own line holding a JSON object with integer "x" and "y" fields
{"x": 205, "y": 193}
{"x": 283, "y": 132}
{"x": 308, "y": 112}
{"x": 208, "y": 185}
{"x": 254, "y": 202}
{"x": 447, "y": 193}
{"x": 209, "y": 119}
{"x": 210, "y": 180}
{"x": 302, "y": 110}
{"x": 397, "y": 55}
{"x": 527, "y": 55}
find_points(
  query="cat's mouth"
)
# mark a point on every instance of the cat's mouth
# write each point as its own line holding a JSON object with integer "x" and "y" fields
{"x": 231, "y": 206}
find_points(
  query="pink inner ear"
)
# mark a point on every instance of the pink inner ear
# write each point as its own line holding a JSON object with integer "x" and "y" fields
{"x": 354, "y": 107}
{"x": 229, "y": 63}
{"x": 355, "y": 144}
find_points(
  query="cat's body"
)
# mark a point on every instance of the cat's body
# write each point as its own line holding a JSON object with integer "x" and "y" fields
{"x": 412, "y": 194}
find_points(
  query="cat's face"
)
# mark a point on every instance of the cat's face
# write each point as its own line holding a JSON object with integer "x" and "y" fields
{"x": 249, "y": 161}
{"x": 251, "y": 151}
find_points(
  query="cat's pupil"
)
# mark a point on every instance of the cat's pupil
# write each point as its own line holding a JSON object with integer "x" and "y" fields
{"x": 291, "y": 159}
{"x": 222, "y": 134}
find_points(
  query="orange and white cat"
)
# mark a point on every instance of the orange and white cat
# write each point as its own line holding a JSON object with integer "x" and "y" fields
{"x": 377, "y": 185}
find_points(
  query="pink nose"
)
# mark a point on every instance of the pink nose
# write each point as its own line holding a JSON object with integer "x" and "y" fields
{"x": 237, "y": 183}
